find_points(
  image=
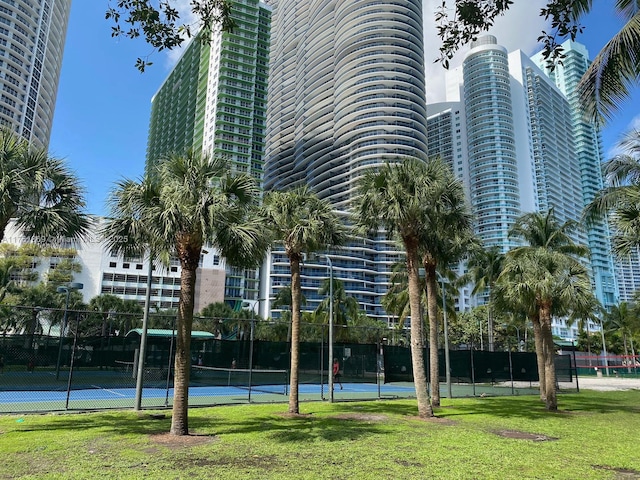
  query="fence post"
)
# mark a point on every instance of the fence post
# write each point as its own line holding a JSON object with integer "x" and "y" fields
{"x": 71, "y": 362}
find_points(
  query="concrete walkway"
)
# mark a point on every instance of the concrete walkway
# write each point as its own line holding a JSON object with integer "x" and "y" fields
{"x": 608, "y": 383}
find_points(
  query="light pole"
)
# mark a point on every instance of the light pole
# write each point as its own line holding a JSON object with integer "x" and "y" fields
{"x": 143, "y": 337}
{"x": 330, "y": 370}
{"x": 447, "y": 362}
{"x": 67, "y": 289}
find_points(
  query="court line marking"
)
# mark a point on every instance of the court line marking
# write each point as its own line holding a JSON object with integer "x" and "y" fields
{"x": 110, "y": 391}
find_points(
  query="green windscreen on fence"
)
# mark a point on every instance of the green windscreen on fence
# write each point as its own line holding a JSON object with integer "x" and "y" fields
{"x": 466, "y": 365}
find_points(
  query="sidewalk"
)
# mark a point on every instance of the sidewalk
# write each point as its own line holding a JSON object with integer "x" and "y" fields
{"x": 608, "y": 383}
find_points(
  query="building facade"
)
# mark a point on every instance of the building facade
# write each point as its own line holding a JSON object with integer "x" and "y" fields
{"x": 214, "y": 101}
{"x": 32, "y": 38}
{"x": 512, "y": 135}
{"x": 104, "y": 272}
{"x": 588, "y": 146}
{"x": 346, "y": 94}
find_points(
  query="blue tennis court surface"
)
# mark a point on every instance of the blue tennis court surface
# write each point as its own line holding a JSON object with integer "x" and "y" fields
{"x": 106, "y": 394}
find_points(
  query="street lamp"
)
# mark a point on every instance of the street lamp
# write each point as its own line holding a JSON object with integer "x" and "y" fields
{"x": 67, "y": 289}
{"x": 330, "y": 370}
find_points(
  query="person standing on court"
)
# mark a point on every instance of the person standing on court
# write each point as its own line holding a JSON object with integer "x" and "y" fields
{"x": 336, "y": 372}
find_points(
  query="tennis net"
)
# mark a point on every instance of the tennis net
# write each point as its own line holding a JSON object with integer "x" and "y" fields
{"x": 269, "y": 381}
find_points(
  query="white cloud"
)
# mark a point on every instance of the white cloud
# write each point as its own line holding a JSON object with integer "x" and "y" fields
{"x": 634, "y": 124}
{"x": 517, "y": 29}
{"x": 186, "y": 17}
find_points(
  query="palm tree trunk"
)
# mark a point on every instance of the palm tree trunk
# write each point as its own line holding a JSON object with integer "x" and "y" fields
{"x": 432, "y": 308}
{"x": 182, "y": 364}
{"x": 539, "y": 344}
{"x": 417, "y": 343}
{"x": 490, "y": 328}
{"x": 549, "y": 357}
{"x": 626, "y": 351}
{"x": 31, "y": 331}
{"x": 294, "y": 406}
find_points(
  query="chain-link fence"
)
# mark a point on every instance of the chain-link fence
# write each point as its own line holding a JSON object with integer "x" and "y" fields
{"x": 90, "y": 360}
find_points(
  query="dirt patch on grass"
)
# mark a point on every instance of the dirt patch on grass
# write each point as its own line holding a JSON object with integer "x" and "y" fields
{"x": 436, "y": 420}
{"x": 364, "y": 417}
{"x": 182, "y": 441}
{"x": 518, "y": 435}
{"x": 303, "y": 416}
{"x": 264, "y": 462}
{"x": 621, "y": 472}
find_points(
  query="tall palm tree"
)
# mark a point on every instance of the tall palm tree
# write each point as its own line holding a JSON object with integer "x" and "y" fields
{"x": 446, "y": 237}
{"x": 183, "y": 203}
{"x": 42, "y": 195}
{"x": 485, "y": 266}
{"x": 421, "y": 203}
{"x": 624, "y": 320}
{"x": 303, "y": 224}
{"x": 548, "y": 276}
{"x": 621, "y": 198}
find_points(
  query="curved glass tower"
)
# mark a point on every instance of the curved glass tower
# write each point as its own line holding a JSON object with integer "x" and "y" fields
{"x": 32, "y": 36}
{"x": 493, "y": 164}
{"x": 346, "y": 93}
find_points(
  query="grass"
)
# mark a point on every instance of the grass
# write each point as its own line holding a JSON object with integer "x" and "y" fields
{"x": 595, "y": 435}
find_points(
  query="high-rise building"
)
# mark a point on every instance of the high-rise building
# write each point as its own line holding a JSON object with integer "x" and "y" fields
{"x": 214, "y": 101}
{"x": 32, "y": 38}
{"x": 588, "y": 147}
{"x": 519, "y": 141}
{"x": 346, "y": 94}
{"x": 515, "y": 139}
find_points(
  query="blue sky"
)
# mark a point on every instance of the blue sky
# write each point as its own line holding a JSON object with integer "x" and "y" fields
{"x": 103, "y": 105}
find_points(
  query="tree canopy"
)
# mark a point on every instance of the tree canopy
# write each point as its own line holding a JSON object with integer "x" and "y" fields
{"x": 163, "y": 25}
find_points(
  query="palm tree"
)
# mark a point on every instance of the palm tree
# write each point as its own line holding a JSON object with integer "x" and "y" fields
{"x": 446, "y": 237}
{"x": 42, "y": 195}
{"x": 623, "y": 319}
{"x": 345, "y": 307}
{"x": 485, "y": 266}
{"x": 185, "y": 202}
{"x": 608, "y": 80}
{"x": 304, "y": 224}
{"x": 621, "y": 198}
{"x": 421, "y": 202}
{"x": 545, "y": 278}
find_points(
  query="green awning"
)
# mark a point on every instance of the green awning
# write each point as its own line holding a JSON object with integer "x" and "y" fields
{"x": 165, "y": 333}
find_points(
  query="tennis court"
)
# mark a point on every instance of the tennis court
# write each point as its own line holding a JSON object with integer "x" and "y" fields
{"x": 96, "y": 396}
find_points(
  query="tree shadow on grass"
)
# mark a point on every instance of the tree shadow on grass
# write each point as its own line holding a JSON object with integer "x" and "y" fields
{"x": 532, "y": 407}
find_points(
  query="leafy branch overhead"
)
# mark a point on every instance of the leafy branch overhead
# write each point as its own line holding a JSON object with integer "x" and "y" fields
{"x": 161, "y": 25}
{"x": 473, "y": 17}
{"x": 609, "y": 78}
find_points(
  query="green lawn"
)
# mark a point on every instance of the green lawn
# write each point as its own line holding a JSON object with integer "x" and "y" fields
{"x": 595, "y": 435}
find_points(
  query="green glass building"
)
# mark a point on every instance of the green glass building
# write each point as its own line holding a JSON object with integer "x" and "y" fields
{"x": 214, "y": 100}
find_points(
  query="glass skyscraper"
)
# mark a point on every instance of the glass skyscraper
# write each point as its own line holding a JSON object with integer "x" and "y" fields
{"x": 346, "y": 94}
{"x": 588, "y": 148}
{"x": 32, "y": 37}
{"x": 214, "y": 101}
